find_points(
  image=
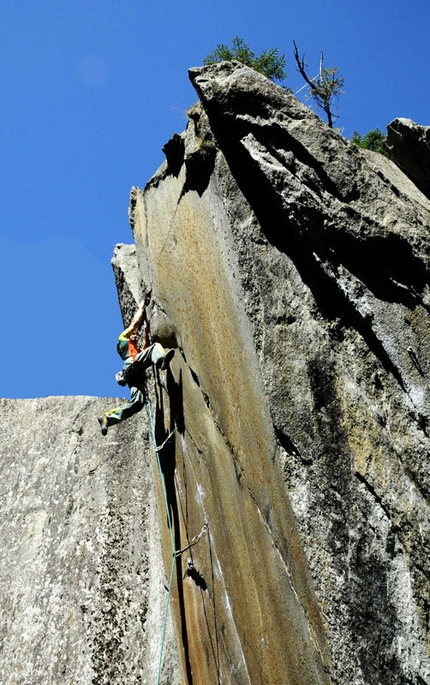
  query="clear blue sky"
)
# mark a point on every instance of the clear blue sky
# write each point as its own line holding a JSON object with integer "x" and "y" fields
{"x": 90, "y": 92}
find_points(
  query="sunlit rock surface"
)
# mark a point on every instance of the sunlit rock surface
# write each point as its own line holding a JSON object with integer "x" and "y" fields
{"x": 289, "y": 270}
{"x": 81, "y": 577}
{"x": 293, "y": 268}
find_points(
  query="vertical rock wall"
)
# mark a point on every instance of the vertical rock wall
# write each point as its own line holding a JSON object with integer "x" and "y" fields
{"x": 222, "y": 470}
{"x": 81, "y": 577}
{"x": 290, "y": 269}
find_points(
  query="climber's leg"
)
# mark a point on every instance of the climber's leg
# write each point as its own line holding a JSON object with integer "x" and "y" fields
{"x": 124, "y": 411}
{"x": 155, "y": 354}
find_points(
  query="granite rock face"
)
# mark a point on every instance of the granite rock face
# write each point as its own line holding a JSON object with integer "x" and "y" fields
{"x": 289, "y": 270}
{"x": 82, "y": 583}
{"x": 292, "y": 271}
{"x": 408, "y": 145}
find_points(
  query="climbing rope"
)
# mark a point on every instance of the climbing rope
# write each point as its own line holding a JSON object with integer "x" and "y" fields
{"x": 175, "y": 553}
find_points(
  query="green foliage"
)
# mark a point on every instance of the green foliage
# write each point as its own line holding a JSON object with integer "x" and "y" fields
{"x": 270, "y": 62}
{"x": 324, "y": 87}
{"x": 373, "y": 140}
{"x": 327, "y": 85}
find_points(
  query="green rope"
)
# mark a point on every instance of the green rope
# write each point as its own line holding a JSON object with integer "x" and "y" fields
{"x": 163, "y": 634}
{"x": 175, "y": 553}
{"x": 157, "y": 449}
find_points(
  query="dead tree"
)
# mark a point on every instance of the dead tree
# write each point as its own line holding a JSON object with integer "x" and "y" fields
{"x": 324, "y": 87}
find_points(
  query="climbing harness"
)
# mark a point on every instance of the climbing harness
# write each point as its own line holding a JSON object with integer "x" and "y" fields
{"x": 175, "y": 553}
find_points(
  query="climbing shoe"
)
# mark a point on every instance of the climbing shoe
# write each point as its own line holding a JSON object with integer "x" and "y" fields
{"x": 103, "y": 425}
{"x": 164, "y": 362}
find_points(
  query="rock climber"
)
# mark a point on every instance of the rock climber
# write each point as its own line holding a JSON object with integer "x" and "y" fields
{"x": 133, "y": 371}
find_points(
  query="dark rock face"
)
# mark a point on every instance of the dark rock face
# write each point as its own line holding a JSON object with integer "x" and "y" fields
{"x": 408, "y": 144}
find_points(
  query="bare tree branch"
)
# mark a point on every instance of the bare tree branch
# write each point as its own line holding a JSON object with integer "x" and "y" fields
{"x": 324, "y": 87}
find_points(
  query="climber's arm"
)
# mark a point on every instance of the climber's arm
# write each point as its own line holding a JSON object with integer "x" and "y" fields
{"x": 135, "y": 322}
{"x": 125, "y": 335}
{"x": 130, "y": 333}
{"x": 146, "y": 337}
{"x": 138, "y": 317}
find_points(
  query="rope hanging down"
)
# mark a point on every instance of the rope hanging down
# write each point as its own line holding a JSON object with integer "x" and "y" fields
{"x": 175, "y": 553}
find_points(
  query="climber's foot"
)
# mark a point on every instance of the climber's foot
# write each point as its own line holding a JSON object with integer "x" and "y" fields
{"x": 164, "y": 362}
{"x": 103, "y": 424}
